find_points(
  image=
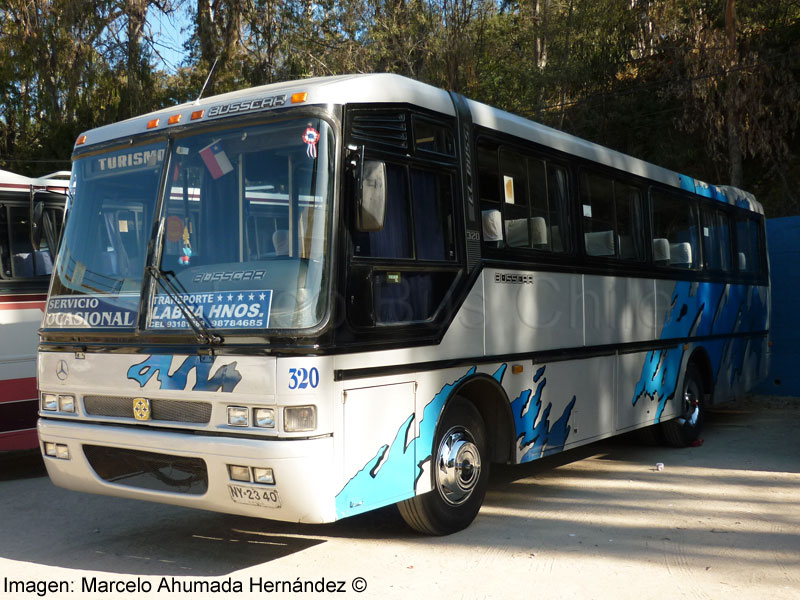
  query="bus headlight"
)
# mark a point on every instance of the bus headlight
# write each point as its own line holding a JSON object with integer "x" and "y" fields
{"x": 66, "y": 403}
{"x": 239, "y": 473}
{"x": 264, "y": 417}
{"x": 56, "y": 450}
{"x": 237, "y": 416}
{"x": 300, "y": 418}
{"x": 50, "y": 402}
{"x": 263, "y": 476}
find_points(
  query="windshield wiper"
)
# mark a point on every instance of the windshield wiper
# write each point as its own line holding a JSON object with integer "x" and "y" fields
{"x": 204, "y": 334}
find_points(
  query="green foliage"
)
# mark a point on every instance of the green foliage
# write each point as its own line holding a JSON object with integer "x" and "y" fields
{"x": 705, "y": 87}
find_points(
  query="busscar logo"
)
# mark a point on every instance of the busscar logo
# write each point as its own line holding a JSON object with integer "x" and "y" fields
{"x": 247, "y": 105}
{"x": 517, "y": 278}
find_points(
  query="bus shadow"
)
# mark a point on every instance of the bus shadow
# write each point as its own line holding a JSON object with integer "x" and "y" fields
{"x": 22, "y": 464}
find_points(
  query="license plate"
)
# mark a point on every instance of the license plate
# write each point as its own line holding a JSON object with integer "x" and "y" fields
{"x": 255, "y": 496}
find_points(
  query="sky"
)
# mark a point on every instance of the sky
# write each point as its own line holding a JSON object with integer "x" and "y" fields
{"x": 168, "y": 37}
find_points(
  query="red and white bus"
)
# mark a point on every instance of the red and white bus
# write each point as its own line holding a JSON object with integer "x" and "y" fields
{"x": 24, "y": 277}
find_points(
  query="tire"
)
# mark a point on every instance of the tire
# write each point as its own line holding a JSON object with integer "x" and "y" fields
{"x": 458, "y": 491}
{"x": 685, "y": 429}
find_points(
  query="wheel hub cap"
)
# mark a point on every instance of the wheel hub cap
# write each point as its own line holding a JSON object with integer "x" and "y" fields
{"x": 458, "y": 466}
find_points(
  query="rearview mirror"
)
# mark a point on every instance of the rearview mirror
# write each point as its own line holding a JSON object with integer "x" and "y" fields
{"x": 371, "y": 196}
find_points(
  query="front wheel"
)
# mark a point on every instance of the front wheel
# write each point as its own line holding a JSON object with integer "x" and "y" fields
{"x": 685, "y": 429}
{"x": 460, "y": 473}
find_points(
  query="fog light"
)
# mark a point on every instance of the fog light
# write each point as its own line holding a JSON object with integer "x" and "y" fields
{"x": 263, "y": 476}
{"x": 62, "y": 451}
{"x": 300, "y": 418}
{"x": 66, "y": 404}
{"x": 237, "y": 416}
{"x": 239, "y": 473}
{"x": 49, "y": 402}
{"x": 49, "y": 448}
{"x": 264, "y": 417}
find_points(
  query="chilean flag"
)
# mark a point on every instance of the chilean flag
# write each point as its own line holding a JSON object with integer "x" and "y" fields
{"x": 216, "y": 160}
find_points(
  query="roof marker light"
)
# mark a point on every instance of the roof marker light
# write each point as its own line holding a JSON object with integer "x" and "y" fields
{"x": 153, "y": 123}
{"x": 198, "y": 114}
{"x": 80, "y": 140}
{"x": 174, "y": 119}
{"x": 299, "y": 97}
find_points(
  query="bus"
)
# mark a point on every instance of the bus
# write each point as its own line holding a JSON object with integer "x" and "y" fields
{"x": 312, "y": 299}
{"x": 24, "y": 278}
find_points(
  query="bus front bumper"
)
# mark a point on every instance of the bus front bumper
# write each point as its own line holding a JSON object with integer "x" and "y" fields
{"x": 194, "y": 470}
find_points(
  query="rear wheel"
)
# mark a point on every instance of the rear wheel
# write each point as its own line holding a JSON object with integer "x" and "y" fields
{"x": 686, "y": 428}
{"x": 460, "y": 473}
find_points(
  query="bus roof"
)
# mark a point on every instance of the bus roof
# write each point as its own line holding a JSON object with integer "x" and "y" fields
{"x": 387, "y": 88}
{"x": 53, "y": 182}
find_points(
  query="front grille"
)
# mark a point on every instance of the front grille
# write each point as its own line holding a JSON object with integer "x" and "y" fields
{"x": 181, "y": 411}
{"x": 148, "y": 470}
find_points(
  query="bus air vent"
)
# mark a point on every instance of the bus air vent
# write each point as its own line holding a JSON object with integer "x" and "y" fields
{"x": 380, "y": 129}
{"x": 148, "y": 470}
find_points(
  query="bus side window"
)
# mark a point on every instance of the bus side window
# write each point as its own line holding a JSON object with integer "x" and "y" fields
{"x": 747, "y": 245}
{"x": 488, "y": 189}
{"x": 25, "y": 262}
{"x": 612, "y": 217}
{"x": 675, "y": 220}
{"x": 394, "y": 240}
{"x": 716, "y": 239}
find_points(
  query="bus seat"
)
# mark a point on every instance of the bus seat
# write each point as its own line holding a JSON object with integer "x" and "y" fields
{"x": 555, "y": 233}
{"x": 517, "y": 233}
{"x": 23, "y": 264}
{"x": 280, "y": 239}
{"x": 599, "y": 243}
{"x": 742, "y": 261}
{"x": 627, "y": 249}
{"x": 492, "y": 226}
{"x": 680, "y": 254}
{"x": 661, "y": 251}
{"x": 538, "y": 232}
{"x": 43, "y": 263}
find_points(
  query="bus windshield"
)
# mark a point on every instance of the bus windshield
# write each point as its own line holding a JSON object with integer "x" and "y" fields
{"x": 241, "y": 239}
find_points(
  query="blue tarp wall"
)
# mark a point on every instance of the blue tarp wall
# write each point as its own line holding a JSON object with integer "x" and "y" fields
{"x": 783, "y": 239}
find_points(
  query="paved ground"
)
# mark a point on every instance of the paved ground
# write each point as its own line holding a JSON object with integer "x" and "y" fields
{"x": 720, "y": 521}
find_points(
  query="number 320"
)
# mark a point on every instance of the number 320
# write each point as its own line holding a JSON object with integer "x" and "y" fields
{"x": 300, "y": 379}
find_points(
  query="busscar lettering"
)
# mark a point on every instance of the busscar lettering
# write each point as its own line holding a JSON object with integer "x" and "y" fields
{"x": 516, "y": 278}
{"x": 247, "y": 105}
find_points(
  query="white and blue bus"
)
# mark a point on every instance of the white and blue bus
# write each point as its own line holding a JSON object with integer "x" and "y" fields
{"x": 312, "y": 299}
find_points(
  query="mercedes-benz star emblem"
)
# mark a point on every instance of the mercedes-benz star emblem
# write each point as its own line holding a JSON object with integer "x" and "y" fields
{"x": 62, "y": 370}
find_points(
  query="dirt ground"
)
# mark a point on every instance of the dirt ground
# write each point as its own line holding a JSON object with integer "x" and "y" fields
{"x": 721, "y": 520}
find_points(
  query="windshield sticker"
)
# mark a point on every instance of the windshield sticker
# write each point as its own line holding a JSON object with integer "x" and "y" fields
{"x": 311, "y": 137}
{"x": 127, "y": 161}
{"x": 220, "y": 310}
{"x": 91, "y": 311}
{"x": 216, "y": 160}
